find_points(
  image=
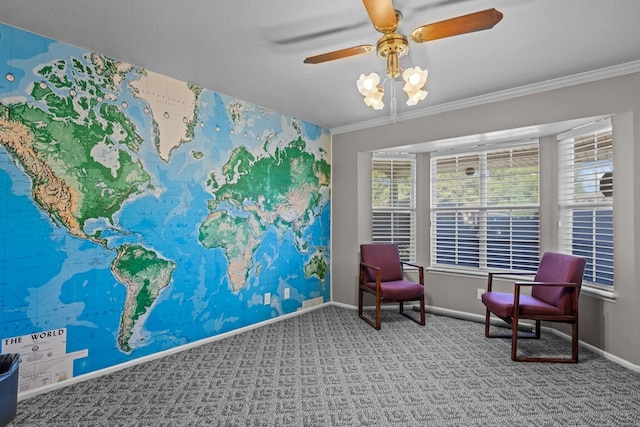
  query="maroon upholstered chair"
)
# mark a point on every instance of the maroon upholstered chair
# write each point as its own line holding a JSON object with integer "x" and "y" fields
{"x": 381, "y": 274}
{"x": 554, "y": 297}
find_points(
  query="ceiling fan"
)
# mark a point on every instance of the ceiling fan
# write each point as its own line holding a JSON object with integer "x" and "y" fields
{"x": 385, "y": 19}
{"x": 392, "y": 46}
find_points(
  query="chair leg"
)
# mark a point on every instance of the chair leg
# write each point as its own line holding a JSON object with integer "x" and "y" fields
{"x": 378, "y": 304}
{"x": 377, "y": 323}
{"x": 574, "y": 349}
{"x": 514, "y": 338}
{"x": 487, "y": 327}
{"x": 487, "y": 324}
{"x": 412, "y": 317}
{"x": 361, "y": 311}
{"x": 509, "y": 322}
{"x": 574, "y": 342}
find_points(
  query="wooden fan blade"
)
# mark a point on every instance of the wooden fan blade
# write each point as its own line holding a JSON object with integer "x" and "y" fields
{"x": 382, "y": 14}
{"x": 339, "y": 54}
{"x": 477, "y": 21}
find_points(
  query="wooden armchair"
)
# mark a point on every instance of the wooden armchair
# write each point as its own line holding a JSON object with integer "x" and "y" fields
{"x": 381, "y": 274}
{"x": 554, "y": 297}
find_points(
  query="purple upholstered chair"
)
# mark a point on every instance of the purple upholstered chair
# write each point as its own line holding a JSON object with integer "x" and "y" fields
{"x": 381, "y": 275}
{"x": 554, "y": 297}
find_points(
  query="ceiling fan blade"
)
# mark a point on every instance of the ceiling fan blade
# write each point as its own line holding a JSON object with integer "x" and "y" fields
{"x": 383, "y": 15}
{"x": 339, "y": 54}
{"x": 301, "y": 38}
{"x": 477, "y": 21}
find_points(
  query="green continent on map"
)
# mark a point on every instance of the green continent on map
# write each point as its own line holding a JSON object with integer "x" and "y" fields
{"x": 280, "y": 190}
{"x": 317, "y": 266}
{"x": 145, "y": 275}
{"x": 235, "y": 234}
{"x": 81, "y": 163}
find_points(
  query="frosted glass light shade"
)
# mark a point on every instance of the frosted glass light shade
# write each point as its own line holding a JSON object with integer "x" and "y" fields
{"x": 368, "y": 84}
{"x": 414, "y": 79}
{"x": 374, "y": 100}
{"x": 416, "y": 96}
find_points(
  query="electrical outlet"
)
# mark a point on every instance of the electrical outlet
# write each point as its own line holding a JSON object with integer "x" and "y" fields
{"x": 286, "y": 293}
{"x": 267, "y": 298}
{"x": 480, "y": 292}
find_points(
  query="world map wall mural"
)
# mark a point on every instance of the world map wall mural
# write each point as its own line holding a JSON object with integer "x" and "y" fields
{"x": 139, "y": 213}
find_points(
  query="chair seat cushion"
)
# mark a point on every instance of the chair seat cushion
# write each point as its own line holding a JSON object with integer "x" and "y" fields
{"x": 398, "y": 290}
{"x": 501, "y": 304}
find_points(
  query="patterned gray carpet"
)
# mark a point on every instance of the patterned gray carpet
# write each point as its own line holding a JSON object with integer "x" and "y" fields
{"x": 328, "y": 368}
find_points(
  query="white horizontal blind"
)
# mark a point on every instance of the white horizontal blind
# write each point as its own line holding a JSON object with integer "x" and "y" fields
{"x": 484, "y": 209}
{"x": 394, "y": 202}
{"x": 586, "y": 199}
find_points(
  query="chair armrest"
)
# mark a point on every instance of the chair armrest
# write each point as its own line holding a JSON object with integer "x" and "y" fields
{"x": 562, "y": 284}
{"x": 420, "y": 270}
{"x": 491, "y": 274}
{"x": 411, "y": 264}
{"x": 364, "y": 264}
{"x": 378, "y": 271}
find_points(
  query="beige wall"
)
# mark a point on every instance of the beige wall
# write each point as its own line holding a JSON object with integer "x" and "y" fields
{"x": 610, "y": 326}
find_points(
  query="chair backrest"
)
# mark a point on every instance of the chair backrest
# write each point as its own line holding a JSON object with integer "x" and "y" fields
{"x": 383, "y": 255}
{"x": 557, "y": 267}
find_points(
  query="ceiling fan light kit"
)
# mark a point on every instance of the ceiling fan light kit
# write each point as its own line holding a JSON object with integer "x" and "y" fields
{"x": 392, "y": 46}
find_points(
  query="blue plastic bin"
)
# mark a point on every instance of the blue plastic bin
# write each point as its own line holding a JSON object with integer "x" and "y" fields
{"x": 9, "y": 392}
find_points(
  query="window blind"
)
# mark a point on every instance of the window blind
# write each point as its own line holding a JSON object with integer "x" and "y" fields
{"x": 484, "y": 209}
{"x": 585, "y": 197}
{"x": 394, "y": 202}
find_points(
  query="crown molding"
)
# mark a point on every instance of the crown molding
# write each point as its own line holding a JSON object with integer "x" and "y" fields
{"x": 575, "y": 79}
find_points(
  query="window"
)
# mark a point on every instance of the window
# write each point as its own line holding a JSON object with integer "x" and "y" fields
{"x": 585, "y": 199}
{"x": 394, "y": 202}
{"x": 484, "y": 209}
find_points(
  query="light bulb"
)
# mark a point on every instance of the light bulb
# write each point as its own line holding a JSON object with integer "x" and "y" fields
{"x": 367, "y": 84}
{"x": 414, "y": 78}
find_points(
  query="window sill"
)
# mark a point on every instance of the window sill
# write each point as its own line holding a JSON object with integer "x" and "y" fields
{"x": 603, "y": 294}
{"x": 456, "y": 272}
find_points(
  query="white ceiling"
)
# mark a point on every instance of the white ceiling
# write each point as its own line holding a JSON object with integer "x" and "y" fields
{"x": 253, "y": 50}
